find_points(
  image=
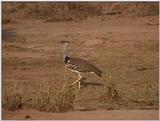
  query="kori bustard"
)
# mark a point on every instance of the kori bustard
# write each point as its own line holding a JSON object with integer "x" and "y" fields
{"x": 78, "y": 65}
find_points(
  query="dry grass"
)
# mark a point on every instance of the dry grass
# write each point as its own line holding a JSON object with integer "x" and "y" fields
{"x": 110, "y": 96}
{"x": 135, "y": 8}
{"x": 62, "y": 11}
{"x": 12, "y": 97}
{"x": 72, "y": 11}
{"x": 44, "y": 96}
{"x": 109, "y": 92}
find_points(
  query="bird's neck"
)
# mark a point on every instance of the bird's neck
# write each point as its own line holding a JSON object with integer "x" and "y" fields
{"x": 65, "y": 51}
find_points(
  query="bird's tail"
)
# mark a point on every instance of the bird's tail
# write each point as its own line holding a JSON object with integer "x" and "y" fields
{"x": 96, "y": 70}
{"x": 99, "y": 73}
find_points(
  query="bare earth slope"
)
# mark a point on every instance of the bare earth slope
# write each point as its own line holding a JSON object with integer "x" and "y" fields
{"x": 87, "y": 115}
{"x": 124, "y": 48}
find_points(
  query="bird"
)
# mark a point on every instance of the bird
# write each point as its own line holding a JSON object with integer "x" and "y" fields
{"x": 78, "y": 65}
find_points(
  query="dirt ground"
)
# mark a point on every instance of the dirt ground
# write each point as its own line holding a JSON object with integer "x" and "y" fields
{"x": 86, "y": 115}
{"x": 124, "y": 48}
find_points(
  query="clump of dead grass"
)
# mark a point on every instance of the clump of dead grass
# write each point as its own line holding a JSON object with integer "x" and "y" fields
{"x": 54, "y": 11}
{"x": 109, "y": 93}
{"x": 72, "y": 11}
{"x": 110, "y": 97}
{"x": 12, "y": 97}
{"x": 43, "y": 96}
{"x": 135, "y": 8}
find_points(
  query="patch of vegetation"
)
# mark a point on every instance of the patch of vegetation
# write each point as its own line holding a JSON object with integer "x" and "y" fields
{"x": 12, "y": 97}
{"x": 72, "y": 11}
{"x": 113, "y": 97}
{"x": 53, "y": 11}
{"x": 39, "y": 95}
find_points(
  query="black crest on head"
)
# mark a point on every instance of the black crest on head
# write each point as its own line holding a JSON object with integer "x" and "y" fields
{"x": 63, "y": 42}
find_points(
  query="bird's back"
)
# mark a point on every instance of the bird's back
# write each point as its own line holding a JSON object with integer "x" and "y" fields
{"x": 82, "y": 65}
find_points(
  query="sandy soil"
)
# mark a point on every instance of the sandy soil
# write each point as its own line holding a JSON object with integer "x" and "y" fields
{"x": 87, "y": 115}
{"x": 124, "y": 47}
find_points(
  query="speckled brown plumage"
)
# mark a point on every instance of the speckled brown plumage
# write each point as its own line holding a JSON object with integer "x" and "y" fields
{"x": 81, "y": 65}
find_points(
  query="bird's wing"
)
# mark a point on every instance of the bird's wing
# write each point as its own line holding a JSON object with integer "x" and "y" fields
{"x": 84, "y": 66}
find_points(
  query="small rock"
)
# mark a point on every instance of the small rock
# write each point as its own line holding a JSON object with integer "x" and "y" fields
{"x": 27, "y": 116}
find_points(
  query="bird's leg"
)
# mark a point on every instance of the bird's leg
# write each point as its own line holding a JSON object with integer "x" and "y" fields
{"x": 64, "y": 83}
{"x": 79, "y": 78}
